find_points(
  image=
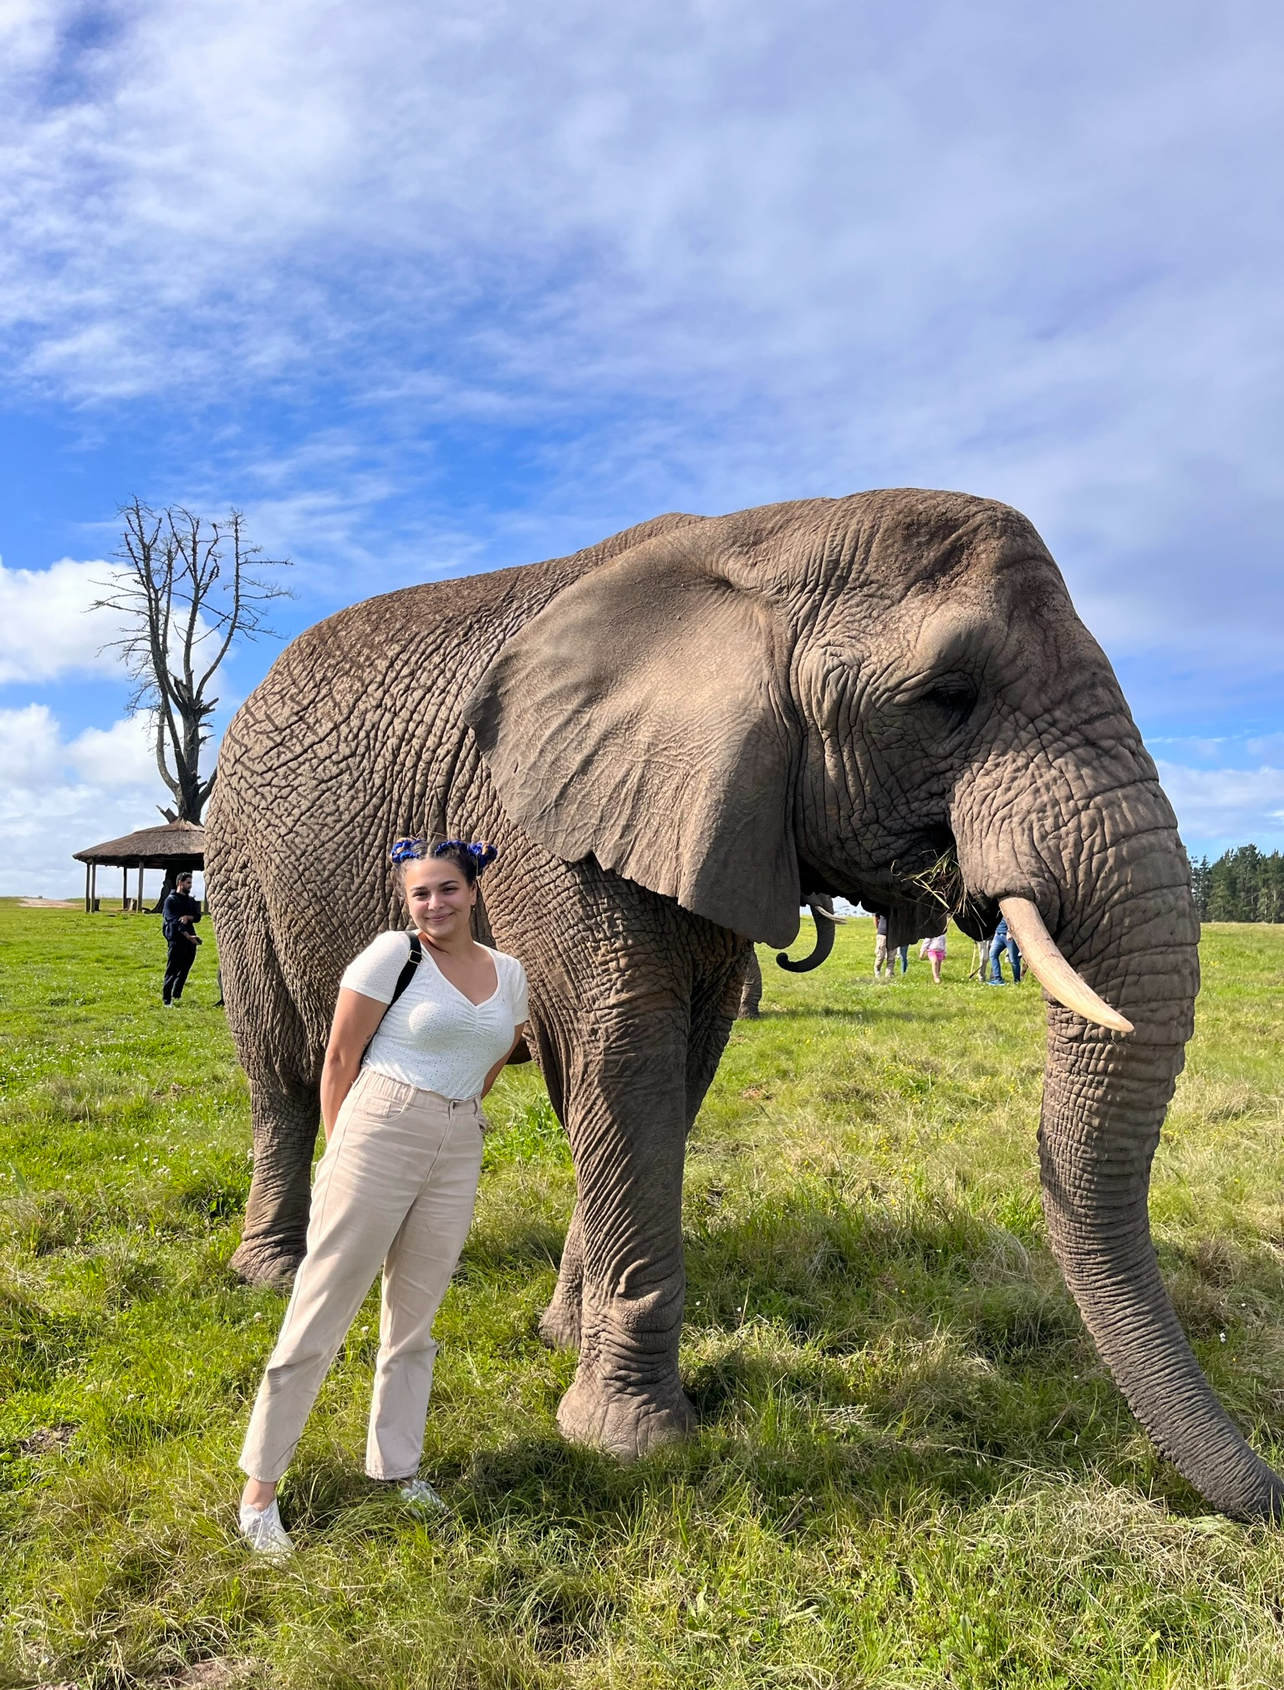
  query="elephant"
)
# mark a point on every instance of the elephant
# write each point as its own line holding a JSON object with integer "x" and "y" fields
{"x": 669, "y": 736}
{"x": 822, "y": 913}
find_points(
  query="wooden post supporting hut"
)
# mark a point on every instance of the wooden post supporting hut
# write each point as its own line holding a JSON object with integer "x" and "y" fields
{"x": 176, "y": 846}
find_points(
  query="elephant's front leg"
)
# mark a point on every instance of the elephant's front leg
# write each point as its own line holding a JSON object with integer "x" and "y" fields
{"x": 627, "y": 1118}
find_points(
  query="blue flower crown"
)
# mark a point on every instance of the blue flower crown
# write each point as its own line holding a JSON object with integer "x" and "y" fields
{"x": 411, "y": 850}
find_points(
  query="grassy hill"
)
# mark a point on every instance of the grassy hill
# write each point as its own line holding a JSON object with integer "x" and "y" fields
{"x": 912, "y": 1470}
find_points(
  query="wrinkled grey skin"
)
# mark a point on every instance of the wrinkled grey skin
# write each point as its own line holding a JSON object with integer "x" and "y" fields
{"x": 822, "y": 911}
{"x": 669, "y": 736}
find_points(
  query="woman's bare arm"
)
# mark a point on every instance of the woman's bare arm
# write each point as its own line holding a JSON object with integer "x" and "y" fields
{"x": 495, "y": 1072}
{"x": 356, "y": 1017}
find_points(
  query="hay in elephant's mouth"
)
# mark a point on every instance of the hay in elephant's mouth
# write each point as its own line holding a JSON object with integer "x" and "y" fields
{"x": 941, "y": 884}
{"x": 919, "y": 901}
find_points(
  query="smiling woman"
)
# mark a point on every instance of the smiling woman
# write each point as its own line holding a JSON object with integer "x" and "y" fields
{"x": 424, "y": 1023}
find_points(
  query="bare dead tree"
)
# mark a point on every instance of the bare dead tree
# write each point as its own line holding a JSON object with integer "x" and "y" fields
{"x": 186, "y": 590}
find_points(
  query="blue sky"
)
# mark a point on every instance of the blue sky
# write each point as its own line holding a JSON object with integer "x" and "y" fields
{"x": 432, "y": 290}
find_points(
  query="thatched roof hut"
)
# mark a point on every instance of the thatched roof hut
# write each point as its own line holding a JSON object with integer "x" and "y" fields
{"x": 175, "y": 846}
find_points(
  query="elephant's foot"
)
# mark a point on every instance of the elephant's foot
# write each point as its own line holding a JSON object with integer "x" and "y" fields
{"x": 624, "y": 1423}
{"x": 560, "y": 1326}
{"x": 264, "y": 1263}
{"x": 626, "y": 1397}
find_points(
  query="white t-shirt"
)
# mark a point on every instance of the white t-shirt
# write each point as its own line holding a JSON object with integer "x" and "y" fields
{"x": 433, "y": 1037}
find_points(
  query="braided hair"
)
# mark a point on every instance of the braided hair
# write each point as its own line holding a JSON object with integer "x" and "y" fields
{"x": 470, "y": 857}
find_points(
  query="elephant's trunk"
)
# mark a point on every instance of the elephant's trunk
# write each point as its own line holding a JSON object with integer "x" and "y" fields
{"x": 1097, "y": 1138}
{"x": 823, "y": 915}
{"x": 1132, "y": 934}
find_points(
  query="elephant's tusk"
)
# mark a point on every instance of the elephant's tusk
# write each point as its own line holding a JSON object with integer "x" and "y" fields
{"x": 1052, "y": 971}
{"x": 819, "y": 912}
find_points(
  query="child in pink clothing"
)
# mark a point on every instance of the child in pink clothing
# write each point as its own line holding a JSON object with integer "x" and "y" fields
{"x": 934, "y": 950}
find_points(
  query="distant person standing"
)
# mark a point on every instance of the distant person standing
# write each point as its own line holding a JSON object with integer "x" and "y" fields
{"x": 880, "y": 949}
{"x": 1014, "y": 957}
{"x": 179, "y": 915}
{"x": 981, "y": 961}
{"x": 1004, "y": 941}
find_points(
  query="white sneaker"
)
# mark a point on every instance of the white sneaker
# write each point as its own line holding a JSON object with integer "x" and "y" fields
{"x": 418, "y": 1494}
{"x": 262, "y": 1530}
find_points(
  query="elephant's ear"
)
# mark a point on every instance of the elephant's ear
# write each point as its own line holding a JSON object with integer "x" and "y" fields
{"x": 642, "y": 718}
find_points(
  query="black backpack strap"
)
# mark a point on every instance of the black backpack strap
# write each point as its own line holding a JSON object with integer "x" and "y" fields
{"x": 408, "y": 972}
{"x": 403, "y": 979}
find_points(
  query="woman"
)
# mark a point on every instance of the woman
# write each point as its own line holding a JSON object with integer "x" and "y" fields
{"x": 413, "y": 1050}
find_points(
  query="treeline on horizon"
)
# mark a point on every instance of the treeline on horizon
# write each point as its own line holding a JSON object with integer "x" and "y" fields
{"x": 1242, "y": 885}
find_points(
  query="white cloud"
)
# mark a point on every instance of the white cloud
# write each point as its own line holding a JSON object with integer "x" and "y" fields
{"x": 822, "y": 196}
{"x": 57, "y": 797}
{"x": 28, "y": 745}
{"x": 1269, "y": 748}
{"x": 1221, "y": 807}
{"x": 716, "y": 253}
{"x": 1207, "y": 750}
{"x": 47, "y": 628}
{"x": 122, "y": 755}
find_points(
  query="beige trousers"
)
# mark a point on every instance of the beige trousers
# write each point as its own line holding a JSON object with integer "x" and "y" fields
{"x": 396, "y": 1186}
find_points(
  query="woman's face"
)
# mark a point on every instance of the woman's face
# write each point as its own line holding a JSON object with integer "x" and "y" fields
{"x": 438, "y": 897}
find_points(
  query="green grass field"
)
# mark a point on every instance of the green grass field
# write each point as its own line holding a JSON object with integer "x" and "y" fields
{"x": 912, "y": 1470}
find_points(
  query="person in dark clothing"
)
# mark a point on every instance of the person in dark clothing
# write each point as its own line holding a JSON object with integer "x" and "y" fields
{"x": 179, "y": 915}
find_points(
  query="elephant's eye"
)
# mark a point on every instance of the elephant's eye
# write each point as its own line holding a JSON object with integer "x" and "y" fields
{"x": 952, "y": 701}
